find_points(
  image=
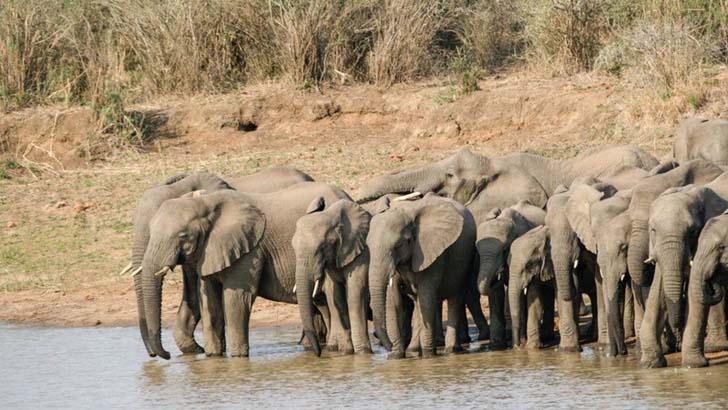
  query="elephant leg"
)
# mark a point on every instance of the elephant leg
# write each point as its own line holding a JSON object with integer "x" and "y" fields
{"x": 414, "y": 346}
{"x": 408, "y": 308}
{"x": 628, "y": 312}
{"x": 599, "y": 314}
{"x": 395, "y": 323}
{"x": 639, "y": 313}
{"x": 455, "y": 319}
{"x": 472, "y": 299}
{"x": 188, "y": 314}
{"x": 716, "y": 340}
{"x": 547, "y": 324}
{"x": 568, "y": 325}
{"x": 497, "y": 303}
{"x": 427, "y": 307}
{"x": 213, "y": 322}
{"x": 357, "y": 296}
{"x": 523, "y": 334}
{"x": 339, "y": 338}
{"x": 439, "y": 331}
{"x": 652, "y": 327}
{"x": 535, "y": 316}
{"x": 238, "y": 307}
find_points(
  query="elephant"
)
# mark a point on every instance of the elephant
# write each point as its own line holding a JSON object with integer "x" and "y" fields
{"x": 428, "y": 247}
{"x": 494, "y": 240}
{"x": 267, "y": 180}
{"x": 330, "y": 246}
{"x": 701, "y": 138}
{"x": 676, "y": 219}
{"x": 239, "y": 244}
{"x": 603, "y": 227}
{"x": 706, "y": 289}
{"x": 697, "y": 172}
{"x": 531, "y": 272}
{"x": 483, "y": 183}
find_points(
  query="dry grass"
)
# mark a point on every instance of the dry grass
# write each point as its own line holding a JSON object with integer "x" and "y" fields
{"x": 502, "y": 40}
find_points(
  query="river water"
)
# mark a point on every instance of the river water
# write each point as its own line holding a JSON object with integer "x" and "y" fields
{"x": 104, "y": 368}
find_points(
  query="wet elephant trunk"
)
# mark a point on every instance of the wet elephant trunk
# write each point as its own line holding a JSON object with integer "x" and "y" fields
{"x": 514, "y": 302}
{"x": 671, "y": 265}
{"x": 140, "y": 245}
{"x": 614, "y": 291}
{"x": 304, "y": 294}
{"x": 424, "y": 179}
{"x": 380, "y": 273}
{"x": 152, "y": 290}
{"x": 637, "y": 253}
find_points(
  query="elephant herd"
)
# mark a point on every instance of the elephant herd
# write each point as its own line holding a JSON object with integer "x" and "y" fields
{"x": 645, "y": 241}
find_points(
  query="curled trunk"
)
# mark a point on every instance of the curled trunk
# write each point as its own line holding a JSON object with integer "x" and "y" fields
{"x": 637, "y": 252}
{"x": 490, "y": 264}
{"x": 424, "y": 179}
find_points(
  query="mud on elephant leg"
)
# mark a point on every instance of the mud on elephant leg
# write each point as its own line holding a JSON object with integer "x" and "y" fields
{"x": 213, "y": 322}
{"x": 717, "y": 339}
{"x": 188, "y": 314}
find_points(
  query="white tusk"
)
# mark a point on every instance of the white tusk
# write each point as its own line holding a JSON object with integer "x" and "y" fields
{"x": 390, "y": 282}
{"x": 407, "y": 197}
{"x": 136, "y": 271}
{"x": 294, "y": 288}
{"x": 165, "y": 270}
{"x": 498, "y": 278}
{"x": 198, "y": 193}
{"x": 126, "y": 269}
{"x": 621, "y": 278}
{"x": 691, "y": 263}
{"x": 315, "y": 288}
{"x": 576, "y": 263}
{"x": 650, "y": 260}
{"x": 525, "y": 291}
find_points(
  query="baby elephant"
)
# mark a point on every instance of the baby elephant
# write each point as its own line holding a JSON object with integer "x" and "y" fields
{"x": 330, "y": 245}
{"x": 428, "y": 247}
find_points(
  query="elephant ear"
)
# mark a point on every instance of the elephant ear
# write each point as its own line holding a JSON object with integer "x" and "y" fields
{"x": 317, "y": 205}
{"x": 578, "y": 213}
{"x": 382, "y": 205}
{"x": 354, "y": 228}
{"x": 438, "y": 225}
{"x": 236, "y": 229}
{"x": 547, "y": 268}
{"x": 663, "y": 167}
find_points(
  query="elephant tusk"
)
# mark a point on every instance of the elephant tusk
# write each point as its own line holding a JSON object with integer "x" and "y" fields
{"x": 294, "y": 288}
{"x": 136, "y": 271}
{"x": 650, "y": 261}
{"x": 315, "y": 288}
{"x": 165, "y": 270}
{"x": 407, "y": 197}
{"x": 576, "y": 263}
{"x": 621, "y": 278}
{"x": 126, "y": 269}
{"x": 691, "y": 263}
{"x": 198, "y": 193}
{"x": 525, "y": 291}
{"x": 390, "y": 281}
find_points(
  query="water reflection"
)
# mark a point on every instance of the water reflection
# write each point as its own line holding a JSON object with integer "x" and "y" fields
{"x": 93, "y": 368}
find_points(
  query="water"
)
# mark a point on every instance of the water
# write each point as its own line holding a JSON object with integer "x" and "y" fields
{"x": 104, "y": 368}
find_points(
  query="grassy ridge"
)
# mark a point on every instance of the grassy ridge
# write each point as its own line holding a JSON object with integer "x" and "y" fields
{"x": 101, "y": 51}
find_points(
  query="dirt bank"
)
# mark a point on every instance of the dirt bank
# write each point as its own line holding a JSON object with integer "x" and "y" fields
{"x": 67, "y": 193}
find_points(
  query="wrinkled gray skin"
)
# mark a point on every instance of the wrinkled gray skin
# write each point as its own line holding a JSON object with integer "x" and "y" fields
{"x": 706, "y": 290}
{"x": 576, "y": 272}
{"x": 697, "y": 172}
{"x": 701, "y": 138}
{"x": 603, "y": 225}
{"x": 239, "y": 244}
{"x": 495, "y": 237}
{"x": 428, "y": 246}
{"x": 531, "y": 276}
{"x": 676, "y": 219}
{"x": 188, "y": 315}
{"x": 330, "y": 245}
{"x": 483, "y": 183}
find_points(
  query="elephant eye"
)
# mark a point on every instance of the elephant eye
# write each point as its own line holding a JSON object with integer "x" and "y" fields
{"x": 449, "y": 175}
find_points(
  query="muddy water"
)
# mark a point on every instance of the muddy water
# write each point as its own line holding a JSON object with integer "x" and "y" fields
{"x": 108, "y": 368}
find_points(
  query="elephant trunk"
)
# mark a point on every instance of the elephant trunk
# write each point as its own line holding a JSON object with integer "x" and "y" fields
{"x": 514, "y": 302}
{"x": 424, "y": 179}
{"x": 304, "y": 295}
{"x": 140, "y": 245}
{"x": 637, "y": 252}
{"x": 700, "y": 293}
{"x": 379, "y": 277}
{"x": 152, "y": 290}
{"x": 490, "y": 265}
{"x": 671, "y": 268}
{"x": 614, "y": 289}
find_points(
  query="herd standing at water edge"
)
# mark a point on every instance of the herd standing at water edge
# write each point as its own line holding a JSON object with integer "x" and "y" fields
{"x": 644, "y": 240}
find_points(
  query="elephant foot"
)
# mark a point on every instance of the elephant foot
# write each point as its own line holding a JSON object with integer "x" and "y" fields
{"x": 239, "y": 354}
{"x": 454, "y": 350}
{"x": 347, "y": 351}
{"x": 714, "y": 347}
{"x": 333, "y": 347}
{"x": 441, "y": 342}
{"x": 395, "y": 355}
{"x": 498, "y": 345}
{"x": 483, "y": 336}
{"x": 363, "y": 351}
{"x": 653, "y": 363}
{"x": 213, "y": 354}
{"x": 428, "y": 353}
{"x": 534, "y": 345}
{"x": 570, "y": 349}
{"x": 192, "y": 348}
{"x": 694, "y": 361}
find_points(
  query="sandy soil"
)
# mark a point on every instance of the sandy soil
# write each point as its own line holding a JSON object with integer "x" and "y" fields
{"x": 65, "y": 209}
